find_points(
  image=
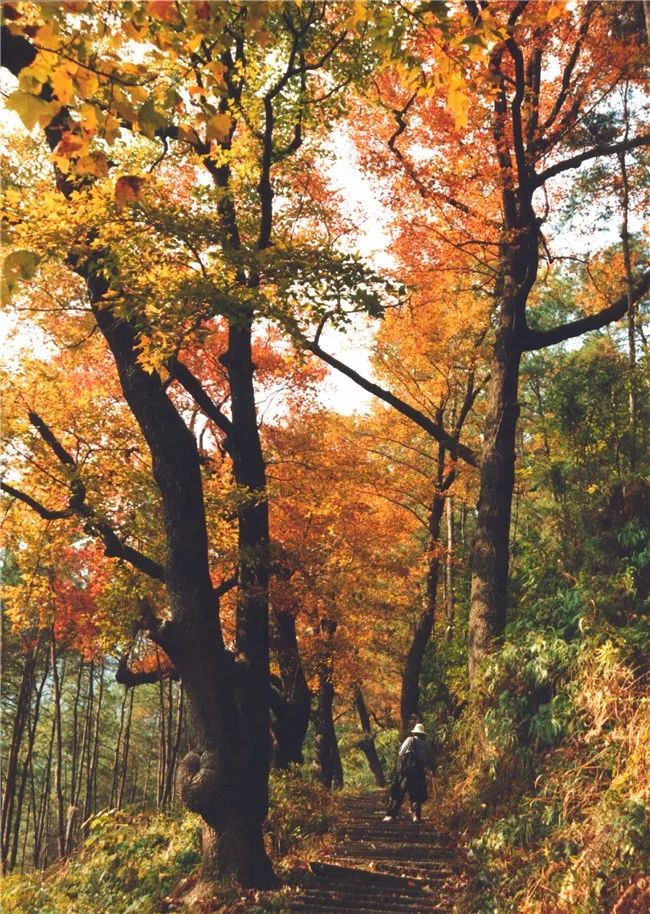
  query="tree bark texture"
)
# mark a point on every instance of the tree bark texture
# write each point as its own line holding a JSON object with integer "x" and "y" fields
{"x": 329, "y": 770}
{"x": 367, "y": 742}
{"x": 291, "y": 702}
{"x": 412, "y": 669}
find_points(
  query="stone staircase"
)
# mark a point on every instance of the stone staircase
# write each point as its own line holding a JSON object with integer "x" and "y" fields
{"x": 381, "y": 867}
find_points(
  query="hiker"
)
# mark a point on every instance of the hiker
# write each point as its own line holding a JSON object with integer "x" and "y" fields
{"x": 415, "y": 755}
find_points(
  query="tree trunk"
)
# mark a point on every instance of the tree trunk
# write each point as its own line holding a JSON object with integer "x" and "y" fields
{"x": 329, "y": 770}
{"x": 58, "y": 775}
{"x": 491, "y": 552}
{"x": 449, "y": 571}
{"x": 90, "y": 804}
{"x": 83, "y": 763}
{"x": 21, "y": 719}
{"x": 40, "y": 831}
{"x": 291, "y": 707}
{"x": 410, "y": 691}
{"x": 162, "y": 743}
{"x": 27, "y": 764}
{"x": 118, "y": 747}
{"x": 125, "y": 751}
{"x": 629, "y": 279}
{"x": 367, "y": 743}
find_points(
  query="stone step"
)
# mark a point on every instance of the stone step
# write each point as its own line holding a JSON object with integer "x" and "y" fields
{"x": 421, "y": 873}
{"x": 427, "y": 907}
{"x": 379, "y": 867}
{"x": 391, "y": 852}
{"x": 345, "y": 872}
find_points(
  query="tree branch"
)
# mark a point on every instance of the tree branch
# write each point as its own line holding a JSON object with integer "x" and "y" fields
{"x": 198, "y": 393}
{"x": 221, "y": 589}
{"x": 539, "y": 339}
{"x": 95, "y": 525}
{"x": 568, "y": 70}
{"x": 595, "y": 152}
{"x": 432, "y": 428}
{"x": 130, "y": 678}
{"x": 40, "y": 509}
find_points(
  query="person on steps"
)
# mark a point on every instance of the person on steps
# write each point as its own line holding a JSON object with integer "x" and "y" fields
{"x": 415, "y": 756}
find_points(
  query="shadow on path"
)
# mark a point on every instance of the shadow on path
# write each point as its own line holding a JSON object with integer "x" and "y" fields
{"x": 381, "y": 867}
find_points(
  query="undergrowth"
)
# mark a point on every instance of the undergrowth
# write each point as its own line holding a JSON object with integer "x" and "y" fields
{"x": 138, "y": 863}
{"x": 556, "y": 811}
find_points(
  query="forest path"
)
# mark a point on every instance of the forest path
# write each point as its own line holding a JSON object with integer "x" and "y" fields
{"x": 381, "y": 867}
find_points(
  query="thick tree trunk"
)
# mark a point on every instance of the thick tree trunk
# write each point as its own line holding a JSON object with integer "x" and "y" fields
{"x": 225, "y": 778}
{"x": 491, "y": 552}
{"x": 329, "y": 770}
{"x": 410, "y": 691}
{"x": 367, "y": 743}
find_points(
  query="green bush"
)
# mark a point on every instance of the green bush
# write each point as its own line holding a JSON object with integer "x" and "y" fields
{"x": 127, "y": 865}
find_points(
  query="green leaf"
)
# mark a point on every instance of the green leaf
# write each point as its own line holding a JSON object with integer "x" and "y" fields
{"x": 29, "y": 108}
{"x": 150, "y": 120}
{"x": 17, "y": 265}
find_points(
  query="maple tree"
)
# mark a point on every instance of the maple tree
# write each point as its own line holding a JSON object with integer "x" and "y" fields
{"x": 239, "y": 122}
{"x": 181, "y": 510}
{"x": 480, "y": 151}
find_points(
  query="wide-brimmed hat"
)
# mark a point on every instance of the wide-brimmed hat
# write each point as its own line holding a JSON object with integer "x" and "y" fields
{"x": 418, "y": 728}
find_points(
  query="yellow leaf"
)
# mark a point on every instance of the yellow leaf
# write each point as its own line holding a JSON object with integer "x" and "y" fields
{"x": 359, "y": 13}
{"x": 194, "y": 42}
{"x": 457, "y": 102}
{"x": 218, "y": 127}
{"x": 87, "y": 82}
{"x": 17, "y": 265}
{"x": 89, "y": 119}
{"x": 553, "y": 11}
{"x": 62, "y": 84}
{"x": 94, "y": 164}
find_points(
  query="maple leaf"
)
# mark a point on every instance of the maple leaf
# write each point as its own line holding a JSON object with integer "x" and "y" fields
{"x": 17, "y": 265}
{"x": 218, "y": 127}
{"x": 164, "y": 10}
{"x": 31, "y": 109}
{"x": 127, "y": 190}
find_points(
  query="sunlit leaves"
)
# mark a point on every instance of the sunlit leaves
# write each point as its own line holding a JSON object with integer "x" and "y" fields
{"x": 31, "y": 109}
{"x": 18, "y": 265}
{"x": 127, "y": 190}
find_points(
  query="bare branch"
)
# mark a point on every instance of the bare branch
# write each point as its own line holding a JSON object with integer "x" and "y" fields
{"x": 221, "y": 589}
{"x": 200, "y": 396}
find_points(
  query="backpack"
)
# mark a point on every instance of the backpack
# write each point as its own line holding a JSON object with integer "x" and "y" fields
{"x": 410, "y": 760}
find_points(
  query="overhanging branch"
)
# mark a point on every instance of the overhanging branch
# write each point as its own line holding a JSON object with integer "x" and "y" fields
{"x": 539, "y": 339}
{"x": 595, "y": 152}
{"x": 419, "y": 418}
